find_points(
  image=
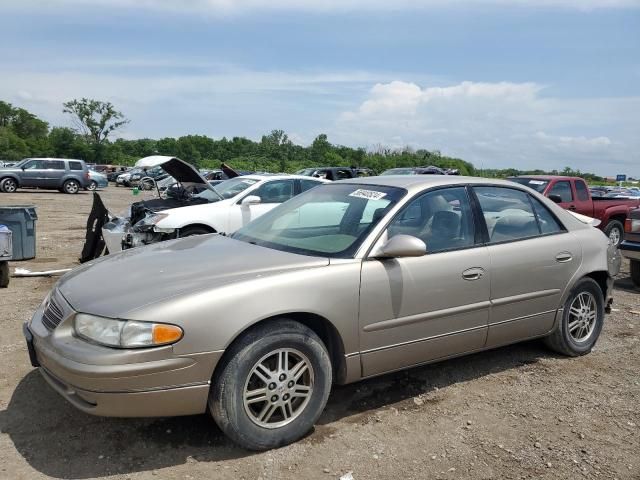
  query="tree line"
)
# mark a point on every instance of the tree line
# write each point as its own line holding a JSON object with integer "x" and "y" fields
{"x": 23, "y": 134}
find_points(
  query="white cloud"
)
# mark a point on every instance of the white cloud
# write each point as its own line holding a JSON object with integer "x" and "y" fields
{"x": 225, "y": 7}
{"x": 499, "y": 124}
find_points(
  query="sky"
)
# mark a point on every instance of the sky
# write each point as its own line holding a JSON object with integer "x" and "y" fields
{"x": 501, "y": 83}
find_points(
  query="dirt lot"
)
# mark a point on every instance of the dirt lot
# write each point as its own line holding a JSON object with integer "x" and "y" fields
{"x": 515, "y": 412}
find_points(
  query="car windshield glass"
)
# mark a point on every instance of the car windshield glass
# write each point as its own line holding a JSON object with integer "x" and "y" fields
{"x": 537, "y": 185}
{"x": 232, "y": 187}
{"x": 328, "y": 220}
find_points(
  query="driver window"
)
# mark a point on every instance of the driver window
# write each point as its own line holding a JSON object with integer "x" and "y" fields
{"x": 33, "y": 165}
{"x": 441, "y": 218}
{"x": 277, "y": 191}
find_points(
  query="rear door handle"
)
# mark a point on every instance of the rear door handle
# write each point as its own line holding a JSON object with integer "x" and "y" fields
{"x": 473, "y": 273}
{"x": 572, "y": 207}
{"x": 564, "y": 257}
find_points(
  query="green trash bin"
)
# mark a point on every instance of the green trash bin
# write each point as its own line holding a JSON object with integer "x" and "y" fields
{"x": 21, "y": 220}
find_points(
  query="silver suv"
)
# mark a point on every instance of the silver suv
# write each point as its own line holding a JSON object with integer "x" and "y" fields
{"x": 65, "y": 175}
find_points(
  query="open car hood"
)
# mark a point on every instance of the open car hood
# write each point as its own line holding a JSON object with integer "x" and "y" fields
{"x": 183, "y": 172}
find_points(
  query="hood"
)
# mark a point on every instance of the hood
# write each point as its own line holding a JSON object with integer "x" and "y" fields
{"x": 115, "y": 285}
{"x": 183, "y": 172}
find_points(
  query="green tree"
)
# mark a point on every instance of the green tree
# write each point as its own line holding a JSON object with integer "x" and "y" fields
{"x": 95, "y": 121}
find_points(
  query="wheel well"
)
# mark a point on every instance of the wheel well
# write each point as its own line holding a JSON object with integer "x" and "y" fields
{"x": 619, "y": 217}
{"x": 601, "y": 279}
{"x": 199, "y": 225}
{"x": 2, "y": 179}
{"x": 321, "y": 327}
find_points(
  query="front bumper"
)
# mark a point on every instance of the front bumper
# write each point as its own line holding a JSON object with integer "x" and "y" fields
{"x": 119, "y": 382}
{"x": 630, "y": 250}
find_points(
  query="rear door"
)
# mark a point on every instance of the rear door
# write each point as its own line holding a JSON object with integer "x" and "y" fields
{"x": 54, "y": 171}
{"x": 582, "y": 201}
{"x": 533, "y": 257}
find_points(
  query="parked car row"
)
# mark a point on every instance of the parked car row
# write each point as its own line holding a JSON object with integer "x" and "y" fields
{"x": 573, "y": 194}
{"x": 630, "y": 247}
{"x": 341, "y": 282}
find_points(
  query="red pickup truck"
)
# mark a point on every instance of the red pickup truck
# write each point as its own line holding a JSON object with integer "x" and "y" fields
{"x": 573, "y": 194}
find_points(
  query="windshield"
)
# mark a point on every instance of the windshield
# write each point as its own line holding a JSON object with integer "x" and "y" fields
{"x": 537, "y": 185}
{"x": 232, "y": 187}
{"x": 330, "y": 220}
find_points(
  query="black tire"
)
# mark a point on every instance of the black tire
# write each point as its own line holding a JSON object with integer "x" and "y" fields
{"x": 71, "y": 187}
{"x": 615, "y": 228}
{"x": 561, "y": 340}
{"x": 191, "y": 231}
{"x": 226, "y": 396}
{"x": 8, "y": 185}
{"x": 635, "y": 272}
{"x": 4, "y": 274}
{"x": 93, "y": 186}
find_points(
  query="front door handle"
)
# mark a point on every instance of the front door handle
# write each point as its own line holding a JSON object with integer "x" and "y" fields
{"x": 572, "y": 207}
{"x": 473, "y": 273}
{"x": 564, "y": 257}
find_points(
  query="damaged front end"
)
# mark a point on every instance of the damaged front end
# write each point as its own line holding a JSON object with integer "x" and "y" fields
{"x": 138, "y": 226}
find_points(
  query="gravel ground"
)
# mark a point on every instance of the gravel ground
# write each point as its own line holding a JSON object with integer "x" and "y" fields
{"x": 514, "y": 412}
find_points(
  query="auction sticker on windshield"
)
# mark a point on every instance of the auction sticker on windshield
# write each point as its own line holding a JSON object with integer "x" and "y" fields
{"x": 368, "y": 194}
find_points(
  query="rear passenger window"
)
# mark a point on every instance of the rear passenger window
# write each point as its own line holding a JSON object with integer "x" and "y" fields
{"x": 54, "y": 164}
{"x": 507, "y": 213}
{"x": 563, "y": 190}
{"x": 546, "y": 220}
{"x": 308, "y": 185}
{"x": 582, "y": 191}
{"x": 75, "y": 166}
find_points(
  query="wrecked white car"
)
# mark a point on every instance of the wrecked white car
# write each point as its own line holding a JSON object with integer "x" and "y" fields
{"x": 224, "y": 208}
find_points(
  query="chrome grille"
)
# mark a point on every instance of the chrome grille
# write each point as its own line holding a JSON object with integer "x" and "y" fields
{"x": 52, "y": 315}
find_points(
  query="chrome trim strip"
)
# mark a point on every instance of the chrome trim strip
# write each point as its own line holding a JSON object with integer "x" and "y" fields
{"x": 522, "y": 318}
{"x": 421, "y": 317}
{"x": 448, "y": 334}
{"x": 524, "y": 296}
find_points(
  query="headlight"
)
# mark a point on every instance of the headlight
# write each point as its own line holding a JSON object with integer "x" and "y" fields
{"x": 125, "y": 333}
{"x": 153, "y": 219}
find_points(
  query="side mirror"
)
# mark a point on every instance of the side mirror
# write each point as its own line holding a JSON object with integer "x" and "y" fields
{"x": 555, "y": 198}
{"x": 250, "y": 200}
{"x": 401, "y": 246}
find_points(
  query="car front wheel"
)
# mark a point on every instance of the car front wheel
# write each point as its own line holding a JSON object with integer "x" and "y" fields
{"x": 581, "y": 322}
{"x": 614, "y": 230}
{"x": 8, "y": 185}
{"x": 71, "y": 187}
{"x": 273, "y": 385}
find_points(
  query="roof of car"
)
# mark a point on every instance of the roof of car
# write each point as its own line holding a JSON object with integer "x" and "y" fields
{"x": 278, "y": 176}
{"x": 549, "y": 177}
{"x": 419, "y": 182}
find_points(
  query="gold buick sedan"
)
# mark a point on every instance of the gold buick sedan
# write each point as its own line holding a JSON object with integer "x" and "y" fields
{"x": 344, "y": 282}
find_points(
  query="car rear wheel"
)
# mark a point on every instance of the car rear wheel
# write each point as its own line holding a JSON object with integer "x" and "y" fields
{"x": 272, "y": 387}
{"x": 581, "y": 322}
{"x": 71, "y": 187}
{"x": 614, "y": 230}
{"x": 635, "y": 272}
{"x": 8, "y": 185}
{"x": 92, "y": 186}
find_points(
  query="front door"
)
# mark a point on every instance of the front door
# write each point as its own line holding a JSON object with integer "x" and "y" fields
{"x": 414, "y": 310}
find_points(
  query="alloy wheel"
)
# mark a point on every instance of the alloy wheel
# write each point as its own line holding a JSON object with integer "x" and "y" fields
{"x": 278, "y": 388}
{"x": 582, "y": 317}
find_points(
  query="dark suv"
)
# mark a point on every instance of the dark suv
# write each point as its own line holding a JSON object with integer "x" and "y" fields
{"x": 65, "y": 175}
